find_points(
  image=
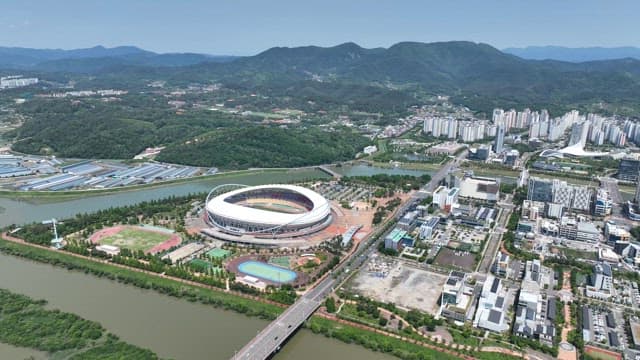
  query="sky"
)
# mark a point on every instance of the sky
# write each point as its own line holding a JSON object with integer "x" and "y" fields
{"x": 246, "y": 27}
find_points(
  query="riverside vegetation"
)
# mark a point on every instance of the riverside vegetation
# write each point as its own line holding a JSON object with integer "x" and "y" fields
{"x": 27, "y": 323}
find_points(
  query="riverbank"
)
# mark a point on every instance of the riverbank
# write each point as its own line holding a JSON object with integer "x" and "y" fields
{"x": 241, "y": 303}
{"x": 349, "y": 333}
{"x": 17, "y": 194}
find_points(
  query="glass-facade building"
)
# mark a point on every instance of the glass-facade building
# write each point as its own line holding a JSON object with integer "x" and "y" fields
{"x": 540, "y": 190}
{"x": 628, "y": 170}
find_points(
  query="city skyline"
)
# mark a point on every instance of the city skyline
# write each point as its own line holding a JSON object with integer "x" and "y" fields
{"x": 248, "y": 27}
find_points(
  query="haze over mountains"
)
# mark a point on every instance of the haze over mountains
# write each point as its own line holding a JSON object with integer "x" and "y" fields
{"x": 574, "y": 54}
{"x": 95, "y": 58}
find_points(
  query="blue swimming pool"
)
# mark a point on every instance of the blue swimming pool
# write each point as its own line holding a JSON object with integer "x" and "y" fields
{"x": 267, "y": 272}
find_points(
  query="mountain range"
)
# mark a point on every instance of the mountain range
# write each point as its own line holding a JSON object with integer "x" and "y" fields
{"x": 95, "y": 58}
{"x": 574, "y": 54}
{"x": 475, "y": 74}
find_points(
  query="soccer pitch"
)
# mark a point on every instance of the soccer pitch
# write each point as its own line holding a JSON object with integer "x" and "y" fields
{"x": 136, "y": 239}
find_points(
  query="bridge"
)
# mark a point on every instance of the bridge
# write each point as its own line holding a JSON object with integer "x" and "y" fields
{"x": 329, "y": 171}
{"x": 269, "y": 340}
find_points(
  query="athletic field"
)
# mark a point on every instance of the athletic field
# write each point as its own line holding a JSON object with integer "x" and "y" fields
{"x": 136, "y": 238}
{"x": 268, "y": 272}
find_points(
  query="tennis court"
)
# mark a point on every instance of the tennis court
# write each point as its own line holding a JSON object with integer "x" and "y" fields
{"x": 267, "y": 272}
{"x": 281, "y": 261}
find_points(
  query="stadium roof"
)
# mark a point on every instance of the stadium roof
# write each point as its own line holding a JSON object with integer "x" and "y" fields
{"x": 321, "y": 208}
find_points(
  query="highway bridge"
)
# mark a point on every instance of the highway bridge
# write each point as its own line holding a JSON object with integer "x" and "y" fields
{"x": 269, "y": 340}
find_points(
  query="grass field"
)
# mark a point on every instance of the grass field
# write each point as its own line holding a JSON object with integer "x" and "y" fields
{"x": 136, "y": 239}
{"x": 579, "y": 254}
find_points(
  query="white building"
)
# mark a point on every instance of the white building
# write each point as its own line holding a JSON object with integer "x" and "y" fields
{"x": 445, "y": 197}
{"x": 603, "y": 203}
{"x": 601, "y": 285}
{"x": 370, "y": 149}
{"x": 492, "y": 308}
{"x": 480, "y": 188}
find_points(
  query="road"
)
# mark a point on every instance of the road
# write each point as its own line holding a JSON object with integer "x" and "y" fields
{"x": 271, "y": 337}
{"x": 495, "y": 237}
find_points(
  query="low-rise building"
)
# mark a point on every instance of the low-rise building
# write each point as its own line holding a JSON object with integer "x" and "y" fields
{"x": 492, "y": 307}
{"x": 408, "y": 221}
{"x": 456, "y": 298}
{"x": 532, "y": 209}
{"x": 427, "y": 228}
{"x": 368, "y": 150}
{"x": 501, "y": 264}
{"x": 600, "y": 282}
{"x": 480, "y": 188}
{"x": 608, "y": 255}
{"x": 572, "y": 229}
{"x": 393, "y": 241}
{"x": 533, "y": 319}
{"x": 614, "y": 233}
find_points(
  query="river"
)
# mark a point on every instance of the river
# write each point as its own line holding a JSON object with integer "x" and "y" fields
{"x": 172, "y": 328}
{"x": 366, "y": 170}
{"x": 20, "y": 211}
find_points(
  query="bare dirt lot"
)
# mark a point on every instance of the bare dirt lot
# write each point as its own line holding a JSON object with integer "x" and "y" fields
{"x": 458, "y": 259}
{"x": 405, "y": 286}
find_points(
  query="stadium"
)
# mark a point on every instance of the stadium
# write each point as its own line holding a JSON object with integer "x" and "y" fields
{"x": 267, "y": 211}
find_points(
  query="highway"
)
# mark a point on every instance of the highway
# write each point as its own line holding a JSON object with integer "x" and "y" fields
{"x": 269, "y": 340}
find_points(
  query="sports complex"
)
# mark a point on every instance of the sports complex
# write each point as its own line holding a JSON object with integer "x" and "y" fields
{"x": 253, "y": 214}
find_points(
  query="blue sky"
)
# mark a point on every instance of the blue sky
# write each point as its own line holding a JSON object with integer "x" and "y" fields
{"x": 245, "y": 27}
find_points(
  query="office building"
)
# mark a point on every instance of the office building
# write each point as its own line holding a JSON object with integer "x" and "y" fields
{"x": 540, "y": 190}
{"x": 601, "y": 282}
{"x": 445, "y": 197}
{"x": 499, "y": 142}
{"x": 603, "y": 203}
{"x": 614, "y": 234}
{"x": 628, "y": 170}
{"x": 428, "y": 227}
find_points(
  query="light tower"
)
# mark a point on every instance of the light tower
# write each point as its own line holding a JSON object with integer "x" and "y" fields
{"x": 56, "y": 242}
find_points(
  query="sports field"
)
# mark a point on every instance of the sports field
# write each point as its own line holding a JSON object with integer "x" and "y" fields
{"x": 136, "y": 238}
{"x": 601, "y": 354}
{"x": 267, "y": 272}
{"x": 281, "y": 261}
{"x": 281, "y": 207}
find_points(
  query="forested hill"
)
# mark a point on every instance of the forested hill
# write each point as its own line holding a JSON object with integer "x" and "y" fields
{"x": 477, "y": 74}
{"x": 255, "y": 146}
